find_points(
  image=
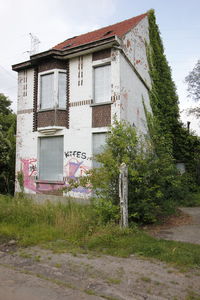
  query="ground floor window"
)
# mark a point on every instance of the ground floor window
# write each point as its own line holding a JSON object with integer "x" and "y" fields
{"x": 98, "y": 143}
{"x": 51, "y": 158}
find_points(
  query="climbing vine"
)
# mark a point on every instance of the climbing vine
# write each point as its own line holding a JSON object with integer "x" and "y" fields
{"x": 164, "y": 101}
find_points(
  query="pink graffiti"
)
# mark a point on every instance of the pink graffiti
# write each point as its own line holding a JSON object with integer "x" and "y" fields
{"x": 75, "y": 169}
{"x": 29, "y": 171}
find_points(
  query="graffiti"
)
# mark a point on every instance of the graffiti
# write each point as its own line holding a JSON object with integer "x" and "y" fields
{"x": 74, "y": 169}
{"x": 29, "y": 170}
{"x": 77, "y": 154}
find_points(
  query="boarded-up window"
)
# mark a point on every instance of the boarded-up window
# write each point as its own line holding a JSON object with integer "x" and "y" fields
{"x": 46, "y": 91}
{"x": 98, "y": 141}
{"x": 102, "y": 84}
{"x": 53, "y": 90}
{"x": 51, "y": 158}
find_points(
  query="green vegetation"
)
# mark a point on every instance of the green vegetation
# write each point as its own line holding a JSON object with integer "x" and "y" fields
{"x": 7, "y": 146}
{"x": 76, "y": 228}
{"x": 154, "y": 185}
{"x": 185, "y": 146}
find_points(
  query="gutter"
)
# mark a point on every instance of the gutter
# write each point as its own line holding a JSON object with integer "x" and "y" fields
{"x": 64, "y": 54}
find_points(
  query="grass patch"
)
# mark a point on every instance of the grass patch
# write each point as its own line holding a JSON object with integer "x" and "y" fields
{"x": 145, "y": 279}
{"x": 113, "y": 280}
{"x": 75, "y": 228}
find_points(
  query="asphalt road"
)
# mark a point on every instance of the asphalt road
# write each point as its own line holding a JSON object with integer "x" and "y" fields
{"x": 189, "y": 233}
{"x": 15, "y": 285}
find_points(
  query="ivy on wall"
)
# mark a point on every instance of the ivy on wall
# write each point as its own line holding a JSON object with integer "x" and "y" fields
{"x": 164, "y": 101}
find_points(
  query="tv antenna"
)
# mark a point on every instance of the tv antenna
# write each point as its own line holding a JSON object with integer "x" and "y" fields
{"x": 34, "y": 44}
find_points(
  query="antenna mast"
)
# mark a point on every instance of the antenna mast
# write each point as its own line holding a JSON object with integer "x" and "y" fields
{"x": 34, "y": 44}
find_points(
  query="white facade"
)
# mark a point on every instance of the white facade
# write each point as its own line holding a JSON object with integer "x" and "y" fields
{"x": 129, "y": 84}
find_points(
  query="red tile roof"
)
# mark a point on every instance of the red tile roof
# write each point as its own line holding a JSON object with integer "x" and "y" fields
{"x": 118, "y": 29}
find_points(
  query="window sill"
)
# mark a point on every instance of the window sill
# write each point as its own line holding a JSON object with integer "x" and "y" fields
{"x": 101, "y": 103}
{"x": 50, "y": 130}
{"x": 51, "y": 109}
{"x": 50, "y": 182}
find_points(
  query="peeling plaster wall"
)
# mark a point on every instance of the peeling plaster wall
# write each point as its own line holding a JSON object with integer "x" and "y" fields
{"x": 133, "y": 93}
{"x": 115, "y": 84}
{"x": 134, "y": 47}
{"x": 26, "y": 140}
{"x": 25, "y": 90}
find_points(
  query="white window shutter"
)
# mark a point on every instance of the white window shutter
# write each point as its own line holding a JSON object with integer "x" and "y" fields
{"x": 102, "y": 84}
{"x": 99, "y": 141}
{"x": 62, "y": 90}
{"x": 47, "y": 91}
{"x": 51, "y": 158}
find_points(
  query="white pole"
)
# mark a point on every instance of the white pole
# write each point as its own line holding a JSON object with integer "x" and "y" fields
{"x": 123, "y": 194}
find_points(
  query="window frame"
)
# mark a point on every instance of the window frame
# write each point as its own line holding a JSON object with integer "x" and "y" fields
{"x": 55, "y": 73}
{"x": 39, "y": 160}
{"x": 96, "y": 66}
{"x": 95, "y": 164}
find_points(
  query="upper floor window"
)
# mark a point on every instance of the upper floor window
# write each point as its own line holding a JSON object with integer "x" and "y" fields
{"x": 53, "y": 90}
{"x": 102, "y": 84}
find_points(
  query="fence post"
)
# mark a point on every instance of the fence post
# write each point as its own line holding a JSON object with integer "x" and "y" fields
{"x": 123, "y": 194}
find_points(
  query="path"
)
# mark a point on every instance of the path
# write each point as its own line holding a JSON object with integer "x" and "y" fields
{"x": 189, "y": 233}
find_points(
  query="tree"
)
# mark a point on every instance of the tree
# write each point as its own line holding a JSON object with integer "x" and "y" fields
{"x": 7, "y": 146}
{"x": 193, "y": 81}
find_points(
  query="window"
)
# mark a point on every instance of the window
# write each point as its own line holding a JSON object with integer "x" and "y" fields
{"x": 53, "y": 90}
{"x": 102, "y": 84}
{"x": 99, "y": 141}
{"x": 51, "y": 158}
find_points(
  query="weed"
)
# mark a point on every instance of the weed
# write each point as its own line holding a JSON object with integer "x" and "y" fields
{"x": 89, "y": 292}
{"x": 192, "y": 296}
{"x": 37, "y": 258}
{"x": 145, "y": 279}
{"x": 113, "y": 280}
{"x": 25, "y": 255}
{"x": 174, "y": 282}
{"x": 58, "y": 265}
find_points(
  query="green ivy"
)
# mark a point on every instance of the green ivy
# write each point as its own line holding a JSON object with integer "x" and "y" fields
{"x": 185, "y": 147}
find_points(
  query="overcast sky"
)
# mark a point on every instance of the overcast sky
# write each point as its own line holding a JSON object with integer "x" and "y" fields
{"x": 53, "y": 21}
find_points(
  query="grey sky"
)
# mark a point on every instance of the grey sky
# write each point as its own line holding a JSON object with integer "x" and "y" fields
{"x": 54, "y": 21}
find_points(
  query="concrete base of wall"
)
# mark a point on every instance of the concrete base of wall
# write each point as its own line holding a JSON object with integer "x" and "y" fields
{"x": 41, "y": 199}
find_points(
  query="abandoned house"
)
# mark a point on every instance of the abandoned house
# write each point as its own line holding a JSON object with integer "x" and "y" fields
{"x": 68, "y": 97}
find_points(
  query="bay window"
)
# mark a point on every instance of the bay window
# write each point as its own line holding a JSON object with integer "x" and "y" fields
{"x": 52, "y": 90}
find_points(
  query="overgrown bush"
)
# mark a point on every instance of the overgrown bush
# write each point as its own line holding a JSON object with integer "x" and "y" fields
{"x": 155, "y": 186}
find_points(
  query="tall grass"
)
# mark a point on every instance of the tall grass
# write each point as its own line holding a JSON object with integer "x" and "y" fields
{"x": 75, "y": 227}
{"x": 32, "y": 223}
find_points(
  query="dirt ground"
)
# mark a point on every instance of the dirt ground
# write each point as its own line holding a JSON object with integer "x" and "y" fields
{"x": 38, "y": 274}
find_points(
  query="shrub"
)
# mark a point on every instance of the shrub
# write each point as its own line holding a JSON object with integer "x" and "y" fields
{"x": 154, "y": 183}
